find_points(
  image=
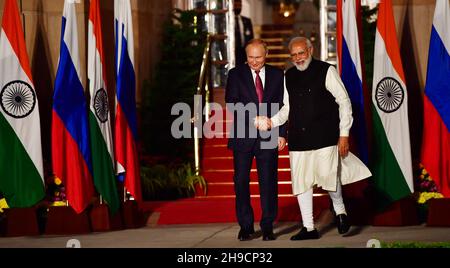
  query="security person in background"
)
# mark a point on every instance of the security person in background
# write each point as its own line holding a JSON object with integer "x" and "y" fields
{"x": 243, "y": 33}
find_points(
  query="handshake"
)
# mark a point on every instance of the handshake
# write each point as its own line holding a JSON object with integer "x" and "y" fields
{"x": 263, "y": 123}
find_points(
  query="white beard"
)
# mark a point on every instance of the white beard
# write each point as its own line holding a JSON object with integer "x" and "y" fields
{"x": 305, "y": 65}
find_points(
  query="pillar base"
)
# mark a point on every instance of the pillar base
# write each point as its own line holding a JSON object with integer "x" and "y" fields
{"x": 438, "y": 212}
{"x": 102, "y": 221}
{"x": 19, "y": 222}
{"x": 400, "y": 213}
{"x": 133, "y": 217}
{"x": 65, "y": 221}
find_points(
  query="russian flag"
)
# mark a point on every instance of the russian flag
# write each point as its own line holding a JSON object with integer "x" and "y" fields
{"x": 351, "y": 72}
{"x": 436, "y": 136}
{"x": 126, "y": 121}
{"x": 71, "y": 154}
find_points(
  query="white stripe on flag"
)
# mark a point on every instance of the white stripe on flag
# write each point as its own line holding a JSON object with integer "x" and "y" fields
{"x": 71, "y": 34}
{"x": 441, "y": 22}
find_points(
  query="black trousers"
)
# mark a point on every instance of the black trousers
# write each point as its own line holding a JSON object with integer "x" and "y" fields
{"x": 267, "y": 166}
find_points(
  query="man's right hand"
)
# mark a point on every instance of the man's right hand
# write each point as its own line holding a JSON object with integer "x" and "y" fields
{"x": 263, "y": 123}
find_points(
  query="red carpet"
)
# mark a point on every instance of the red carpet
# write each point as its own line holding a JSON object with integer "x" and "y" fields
{"x": 222, "y": 210}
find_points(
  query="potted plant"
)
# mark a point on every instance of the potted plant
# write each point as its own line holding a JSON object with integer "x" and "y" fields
{"x": 170, "y": 182}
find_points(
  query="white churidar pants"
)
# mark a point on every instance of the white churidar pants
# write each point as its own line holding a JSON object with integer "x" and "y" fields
{"x": 326, "y": 169}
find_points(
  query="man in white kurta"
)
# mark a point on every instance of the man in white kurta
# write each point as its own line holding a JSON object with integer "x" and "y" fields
{"x": 320, "y": 117}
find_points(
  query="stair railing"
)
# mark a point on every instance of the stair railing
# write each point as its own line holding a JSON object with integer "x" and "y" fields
{"x": 203, "y": 91}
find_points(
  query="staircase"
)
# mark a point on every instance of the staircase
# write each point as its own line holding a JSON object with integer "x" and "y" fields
{"x": 277, "y": 38}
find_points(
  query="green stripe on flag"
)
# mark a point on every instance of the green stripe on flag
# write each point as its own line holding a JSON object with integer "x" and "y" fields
{"x": 387, "y": 175}
{"x": 103, "y": 169}
{"x": 20, "y": 181}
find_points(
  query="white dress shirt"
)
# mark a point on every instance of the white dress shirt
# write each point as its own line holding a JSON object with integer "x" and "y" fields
{"x": 262, "y": 75}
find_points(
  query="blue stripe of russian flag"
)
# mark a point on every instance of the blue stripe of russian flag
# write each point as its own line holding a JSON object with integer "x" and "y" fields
{"x": 126, "y": 85}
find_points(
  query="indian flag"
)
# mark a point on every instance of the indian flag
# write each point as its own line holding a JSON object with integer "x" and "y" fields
{"x": 21, "y": 171}
{"x": 392, "y": 168}
{"x": 99, "y": 116}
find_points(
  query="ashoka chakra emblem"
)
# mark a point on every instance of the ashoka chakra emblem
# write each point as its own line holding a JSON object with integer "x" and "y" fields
{"x": 389, "y": 95}
{"x": 18, "y": 99}
{"x": 101, "y": 105}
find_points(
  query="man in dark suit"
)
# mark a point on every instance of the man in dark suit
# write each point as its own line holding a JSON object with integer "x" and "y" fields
{"x": 243, "y": 32}
{"x": 260, "y": 86}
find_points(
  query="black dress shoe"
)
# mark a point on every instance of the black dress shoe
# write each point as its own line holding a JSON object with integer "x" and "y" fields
{"x": 245, "y": 235}
{"x": 342, "y": 223}
{"x": 305, "y": 235}
{"x": 268, "y": 236}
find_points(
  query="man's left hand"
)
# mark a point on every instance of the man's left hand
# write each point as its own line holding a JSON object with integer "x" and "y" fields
{"x": 281, "y": 143}
{"x": 263, "y": 123}
{"x": 343, "y": 146}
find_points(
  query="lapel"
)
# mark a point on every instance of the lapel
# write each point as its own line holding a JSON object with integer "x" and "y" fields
{"x": 248, "y": 76}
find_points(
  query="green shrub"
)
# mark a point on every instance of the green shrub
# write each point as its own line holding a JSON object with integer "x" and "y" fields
{"x": 415, "y": 245}
{"x": 162, "y": 182}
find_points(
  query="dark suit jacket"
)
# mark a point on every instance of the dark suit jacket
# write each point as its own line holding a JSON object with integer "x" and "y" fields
{"x": 241, "y": 89}
{"x": 241, "y": 56}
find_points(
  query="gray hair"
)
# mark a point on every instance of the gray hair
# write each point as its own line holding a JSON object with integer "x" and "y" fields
{"x": 257, "y": 41}
{"x": 300, "y": 39}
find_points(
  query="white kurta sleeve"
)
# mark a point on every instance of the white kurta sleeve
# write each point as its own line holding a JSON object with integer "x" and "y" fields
{"x": 283, "y": 114}
{"x": 334, "y": 85}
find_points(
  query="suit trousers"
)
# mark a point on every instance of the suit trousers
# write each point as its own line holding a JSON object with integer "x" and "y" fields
{"x": 267, "y": 168}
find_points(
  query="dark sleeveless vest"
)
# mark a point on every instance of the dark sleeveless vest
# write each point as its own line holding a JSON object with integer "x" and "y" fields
{"x": 314, "y": 114}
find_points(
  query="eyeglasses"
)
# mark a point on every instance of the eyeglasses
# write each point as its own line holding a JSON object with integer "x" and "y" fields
{"x": 300, "y": 54}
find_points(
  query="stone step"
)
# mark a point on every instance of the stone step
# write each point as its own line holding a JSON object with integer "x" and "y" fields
{"x": 227, "y": 188}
